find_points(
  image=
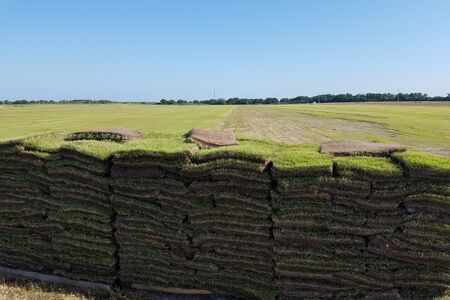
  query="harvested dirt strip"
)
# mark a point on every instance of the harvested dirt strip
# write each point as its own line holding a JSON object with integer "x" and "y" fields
{"x": 293, "y": 127}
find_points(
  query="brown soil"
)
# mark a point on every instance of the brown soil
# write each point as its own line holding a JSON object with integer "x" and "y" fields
{"x": 136, "y": 172}
{"x": 294, "y": 127}
{"x": 440, "y": 151}
{"x": 212, "y": 138}
{"x": 357, "y": 147}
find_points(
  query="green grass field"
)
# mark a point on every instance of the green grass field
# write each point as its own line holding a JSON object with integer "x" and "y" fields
{"x": 418, "y": 125}
{"x": 19, "y": 121}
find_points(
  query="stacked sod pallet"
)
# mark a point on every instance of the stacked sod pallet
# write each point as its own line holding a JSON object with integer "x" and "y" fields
{"x": 303, "y": 248}
{"x": 422, "y": 244}
{"x": 361, "y": 213}
{"x": 24, "y": 201}
{"x": 377, "y": 233}
{"x": 151, "y": 200}
{"x": 232, "y": 237}
{"x": 84, "y": 246}
{"x": 226, "y": 219}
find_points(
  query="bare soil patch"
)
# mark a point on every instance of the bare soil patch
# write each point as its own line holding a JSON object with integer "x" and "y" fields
{"x": 212, "y": 138}
{"x": 440, "y": 151}
{"x": 358, "y": 148}
{"x": 294, "y": 127}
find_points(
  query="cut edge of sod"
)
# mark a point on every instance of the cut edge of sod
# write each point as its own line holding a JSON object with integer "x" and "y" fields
{"x": 417, "y": 162}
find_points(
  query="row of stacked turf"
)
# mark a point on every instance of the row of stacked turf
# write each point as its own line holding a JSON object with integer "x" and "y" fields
{"x": 302, "y": 225}
{"x": 55, "y": 215}
{"x": 80, "y": 207}
{"x": 24, "y": 203}
{"x": 232, "y": 238}
{"x": 362, "y": 228}
{"x": 202, "y": 221}
{"x": 228, "y": 221}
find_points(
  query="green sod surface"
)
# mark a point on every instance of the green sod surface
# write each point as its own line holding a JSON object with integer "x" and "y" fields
{"x": 371, "y": 166}
{"x": 301, "y": 158}
{"x": 420, "y": 163}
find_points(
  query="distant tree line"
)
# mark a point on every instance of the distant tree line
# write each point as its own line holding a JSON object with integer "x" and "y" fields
{"x": 76, "y": 101}
{"x": 326, "y": 98}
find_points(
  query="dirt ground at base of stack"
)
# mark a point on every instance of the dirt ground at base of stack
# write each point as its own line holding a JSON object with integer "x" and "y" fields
{"x": 23, "y": 289}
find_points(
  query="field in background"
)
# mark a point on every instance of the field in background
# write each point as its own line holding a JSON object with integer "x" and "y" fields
{"x": 421, "y": 125}
{"x": 18, "y": 121}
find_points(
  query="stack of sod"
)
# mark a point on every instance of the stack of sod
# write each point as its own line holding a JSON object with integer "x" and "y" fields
{"x": 24, "y": 200}
{"x": 303, "y": 248}
{"x": 223, "y": 219}
{"x": 422, "y": 244}
{"x": 151, "y": 199}
{"x": 361, "y": 213}
{"x": 232, "y": 235}
{"x": 85, "y": 248}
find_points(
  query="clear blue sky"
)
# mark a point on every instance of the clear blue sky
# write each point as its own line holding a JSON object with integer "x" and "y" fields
{"x": 148, "y": 50}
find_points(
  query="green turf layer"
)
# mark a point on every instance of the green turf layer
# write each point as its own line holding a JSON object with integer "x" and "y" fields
{"x": 421, "y": 163}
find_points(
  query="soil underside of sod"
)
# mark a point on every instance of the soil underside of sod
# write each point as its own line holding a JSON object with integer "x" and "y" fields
{"x": 254, "y": 220}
